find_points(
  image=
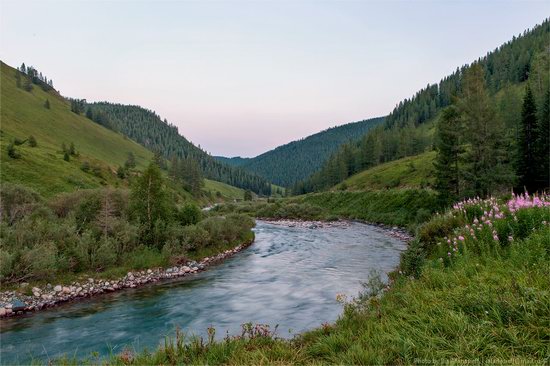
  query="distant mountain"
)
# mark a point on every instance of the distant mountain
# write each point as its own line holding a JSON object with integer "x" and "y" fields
{"x": 297, "y": 160}
{"x": 148, "y": 129}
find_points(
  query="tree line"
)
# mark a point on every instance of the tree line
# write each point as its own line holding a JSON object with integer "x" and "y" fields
{"x": 148, "y": 129}
{"x": 475, "y": 155}
{"x": 27, "y": 76}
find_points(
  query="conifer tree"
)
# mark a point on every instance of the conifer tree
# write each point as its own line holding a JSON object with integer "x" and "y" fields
{"x": 485, "y": 170}
{"x": 542, "y": 145}
{"x": 448, "y": 163}
{"x": 525, "y": 160}
{"x": 47, "y": 104}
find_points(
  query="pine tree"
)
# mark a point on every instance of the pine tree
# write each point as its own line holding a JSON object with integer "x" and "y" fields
{"x": 66, "y": 156}
{"x": 525, "y": 160}
{"x": 89, "y": 113}
{"x": 542, "y": 145}
{"x": 485, "y": 170}
{"x": 72, "y": 149}
{"x": 47, "y": 104}
{"x": 450, "y": 149}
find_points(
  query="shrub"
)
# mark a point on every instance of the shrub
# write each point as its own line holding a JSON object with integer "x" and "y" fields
{"x": 12, "y": 152}
{"x": 189, "y": 214}
{"x": 17, "y": 201}
{"x": 32, "y": 141}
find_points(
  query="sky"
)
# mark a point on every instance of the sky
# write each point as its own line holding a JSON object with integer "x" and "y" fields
{"x": 239, "y": 78}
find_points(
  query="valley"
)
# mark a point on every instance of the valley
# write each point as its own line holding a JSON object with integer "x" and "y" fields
{"x": 418, "y": 237}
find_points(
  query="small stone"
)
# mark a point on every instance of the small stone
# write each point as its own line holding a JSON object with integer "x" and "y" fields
{"x": 23, "y": 284}
{"x": 66, "y": 290}
{"x": 36, "y": 289}
{"x": 3, "y": 312}
{"x": 58, "y": 288}
{"x": 149, "y": 271}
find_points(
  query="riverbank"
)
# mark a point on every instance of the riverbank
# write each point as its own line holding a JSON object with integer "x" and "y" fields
{"x": 478, "y": 295}
{"x": 393, "y": 231}
{"x": 16, "y": 303}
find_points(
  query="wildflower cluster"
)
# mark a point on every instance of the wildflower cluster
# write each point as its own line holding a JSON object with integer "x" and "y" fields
{"x": 524, "y": 201}
{"x": 490, "y": 224}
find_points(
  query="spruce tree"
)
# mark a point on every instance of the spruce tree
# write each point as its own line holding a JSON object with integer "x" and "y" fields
{"x": 486, "y": 157}
{"x": 47, "y": 104}
{"x": 525, "y": 159}
{"x": 542, "y": 145}
{"x": 450, "y": 150}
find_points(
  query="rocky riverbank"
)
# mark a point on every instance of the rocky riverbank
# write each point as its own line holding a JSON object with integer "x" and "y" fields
{"x": 392, "y": 231}
{"x": 13, "y": 303}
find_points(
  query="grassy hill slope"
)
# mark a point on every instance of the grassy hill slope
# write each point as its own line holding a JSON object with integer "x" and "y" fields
{"x": 43, "y": 168}
{"x": 410, "y": 172}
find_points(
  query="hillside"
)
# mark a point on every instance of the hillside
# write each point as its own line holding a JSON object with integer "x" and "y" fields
{"x": 409, "y": 129}
{"x": 42, "y": 167}
{"x": 410, "y": 172}
{"x": 290, "y": 163}
{"x": 148, "y": 129}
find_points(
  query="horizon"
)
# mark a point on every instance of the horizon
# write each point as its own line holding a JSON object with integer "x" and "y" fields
{"x": 282, "y": 76}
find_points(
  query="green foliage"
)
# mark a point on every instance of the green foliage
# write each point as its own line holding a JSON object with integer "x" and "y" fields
{"x": 150, "y": 205}
{"x": 92, "y": 231}
{"x": 290, "y": 163}
{"x": 149, "y": 130}
{"x": 42, "y": 168}
{"x": 248, "y": 195}
{"x": 189, "y": 214}
{"x": 443, "y": 312}
{"x": 47, "y": 104}
{"x": 450, "y": 150}
{"x": 12, "y": 152}
{"x": 490, "y": 144}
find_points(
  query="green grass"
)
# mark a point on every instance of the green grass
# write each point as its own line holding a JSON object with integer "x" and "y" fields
{"x": 410, "y": 172}
{"x": 490, "y": 306}
{"x": 227, "y": 191}
{"x": 401, "y": 207}
{"x": 43, "y": 168}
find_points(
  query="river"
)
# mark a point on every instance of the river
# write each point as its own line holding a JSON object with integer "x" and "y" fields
{"x": 289, "y": 277}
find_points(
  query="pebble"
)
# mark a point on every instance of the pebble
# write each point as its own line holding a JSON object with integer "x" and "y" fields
{"x": 49, "y": 295}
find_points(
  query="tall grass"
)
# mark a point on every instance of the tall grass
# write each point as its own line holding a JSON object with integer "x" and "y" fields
{"x": 486, "y": 302}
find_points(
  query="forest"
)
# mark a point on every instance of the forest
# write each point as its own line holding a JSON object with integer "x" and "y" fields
{"x": 292, "y": 162}
{"x": 501, "y": 79}
{"x": 148, "y": 129}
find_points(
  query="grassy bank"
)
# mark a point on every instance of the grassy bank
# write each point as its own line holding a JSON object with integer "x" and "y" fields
{"x": 400, "y": 207}
{"x": 479, "y": 293}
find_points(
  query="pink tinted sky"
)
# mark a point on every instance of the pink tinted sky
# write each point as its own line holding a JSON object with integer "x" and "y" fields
{"x": 242, "y": 77}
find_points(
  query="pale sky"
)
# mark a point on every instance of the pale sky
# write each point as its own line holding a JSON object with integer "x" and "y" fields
{"x": 242, "y": 77}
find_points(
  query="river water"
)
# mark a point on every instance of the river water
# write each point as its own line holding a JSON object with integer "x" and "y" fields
{"x": 289, "y": 277}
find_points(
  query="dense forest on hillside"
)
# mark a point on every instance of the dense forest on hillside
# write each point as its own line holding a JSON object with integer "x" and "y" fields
{"x": 290, "y": 163}
{"x": 408, "y": 130}
{"x": 148, "y": 129}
